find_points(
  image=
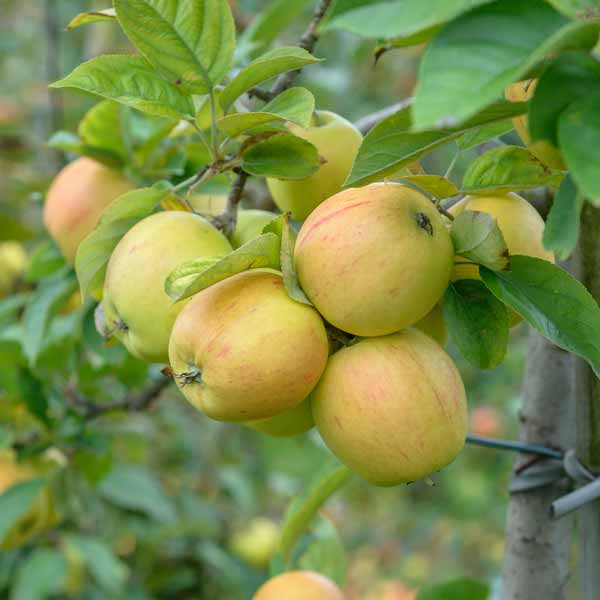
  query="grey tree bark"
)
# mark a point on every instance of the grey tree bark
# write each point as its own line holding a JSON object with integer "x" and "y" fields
{"x": 536, "y": 561}
{"x": 588, "y": 412}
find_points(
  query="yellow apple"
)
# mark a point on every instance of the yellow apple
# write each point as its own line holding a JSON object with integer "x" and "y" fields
{"x": 521, "y": 225}
{"x": 299, "y": 585}
{"x": 374, "y": 260}
{"x": 136, "y": 307}
{"x": 76, "y": 199}
{"x": 337, "y": 141}
{"x": 289, "y": 423}
{"x": 521, "y": 91}
{"x": 392, "y": 408}
{"x": 434, "y": 326}
{"x": 208, "y": 204}
{"x": 13, "y": 262}
{"x": 40, "y": 517}
{"x": 250, "y": 224}
{"x": 243, "y": 350}
{"x": 257, "y": 542}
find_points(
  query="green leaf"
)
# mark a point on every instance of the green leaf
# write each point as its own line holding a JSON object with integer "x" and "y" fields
{"x": 391, "y": 144}
{"x": 303, "y": 508}
{"x": 579, "y": 138}
{"x": 195, "y": 275}
{"x": 117, "y": 219}
{"x": 571, "y": 76}
{"x": 267, "y": 25}
{"x": 295, "y": 105}
{"x": 41, "y": 307}
{"x": 288, "y": 269}
{"x": 40, "y": 575}
{"x": 138, "y": 488}
{"x": 129, "y": 80}
{"x": 477, "y": 323}
{"x": 109, "y": 572}
{"x": 553, "y": 302}
{"x": 477, "y": 237}
{"x": 283, "y": 156}
{"x": 472, "y": 60}
{"x": 190, "y": 44}
{"x": 436, "y": 185}
{"x": 577, "y": 8}
{"x": 265, "y": 67}
{"x": 400, "y": 19}
{"x": 70, "y": 143}
{"x": 92, "y": 16}
{"x": 101, "y": 128}
{"x": 562, "y": 225}
{"x": 325, "y": 553}
{"x": 33, "y": 394}
{"x": 45, "y": 259}
{"x": 483, "y": 134}
{"x": 508, "y": 168}
{"x": 459, "y": 589}
{"x": 16, "y": 502}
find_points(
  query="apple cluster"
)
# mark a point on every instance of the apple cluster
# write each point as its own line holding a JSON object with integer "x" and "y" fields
{"x": 374, "y": 261}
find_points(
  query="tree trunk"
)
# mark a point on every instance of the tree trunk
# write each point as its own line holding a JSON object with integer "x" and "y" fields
{"x": 536, "y": 562}
{"x": 588, "y": 412}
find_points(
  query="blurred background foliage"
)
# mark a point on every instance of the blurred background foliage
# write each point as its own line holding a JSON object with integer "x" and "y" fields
{"x": 164, "y": 503}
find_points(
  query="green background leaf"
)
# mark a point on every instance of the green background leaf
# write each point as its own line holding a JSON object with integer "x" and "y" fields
{"x": 459, "y": 589}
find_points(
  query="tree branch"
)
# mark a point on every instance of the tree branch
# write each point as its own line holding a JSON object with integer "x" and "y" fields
{"x": 227, "y": 221}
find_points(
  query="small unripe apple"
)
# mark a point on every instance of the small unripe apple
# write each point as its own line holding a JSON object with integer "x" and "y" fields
{"x": 13, "y": 262}
{"x": 392, "y": 408}
{"x": 76, "y": 199}
{"x": 249, "y": 226}
{"x": 375, "y": 259}
{"x": 337, "y": 141}
{"x": 521, "y": 91}
{"x": 299, "y": 585}
{"x": 434, "y": 326}
{"x": 289, "y": 423}
{"x": 136, "y": 307}
{"x": 243, "y": 350}
{"x": 257, "y": 542}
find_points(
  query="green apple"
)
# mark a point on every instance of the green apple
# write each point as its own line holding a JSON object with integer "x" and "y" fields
{"x": 392, "y": 408}
{"x": 257, "y": 542}
{"x": 337, "y": 141}
{"x": 375, "y": 259}
{"x": 250, "y": 224}
{"x": 434, "y": 326}
{"x": 136, "y": 307}
{"x": 289, "y": 423}
{"x": 243, "y": 350}
{"x": 76, "y": 199}
{"x": 299, "y": 585}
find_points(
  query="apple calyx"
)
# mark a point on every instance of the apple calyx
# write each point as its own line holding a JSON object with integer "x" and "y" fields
{"x": 424, "y": 223}
{"x": 194, "y": 375}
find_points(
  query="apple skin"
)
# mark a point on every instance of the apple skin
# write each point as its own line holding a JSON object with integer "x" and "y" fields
{"x": 136, "y": 307}
{"x": 257, "y": 542}
{"x": 521, "y": 91}
{"x": 289, "y": 423}
{"x": 375, "y": 259}
{"x": 337, "y": 141}
{"x": 250, "y": 224}
{"x": 76, "y": 199}
{"x": 434, "y": 326}
{"x": 392, "y": 408}
{"x": 208, "y": 204}
{"x": 258, "y": 352}
{"x": 521, "y": 225}
{"x": 299, "y": 585}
